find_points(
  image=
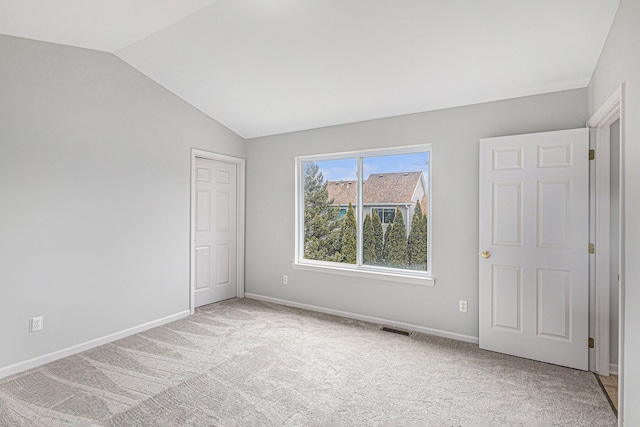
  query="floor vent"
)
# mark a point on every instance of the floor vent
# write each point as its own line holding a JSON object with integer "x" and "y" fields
{"x": 395, "y": 331}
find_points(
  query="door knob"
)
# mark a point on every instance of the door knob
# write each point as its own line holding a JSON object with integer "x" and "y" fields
{"x": 486, "y": 254}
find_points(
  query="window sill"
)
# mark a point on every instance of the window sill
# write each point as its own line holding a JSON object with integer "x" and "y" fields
{"x": 368, "y": 274}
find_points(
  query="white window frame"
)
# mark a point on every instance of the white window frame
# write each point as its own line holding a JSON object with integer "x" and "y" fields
{"x": 360, "y": 270}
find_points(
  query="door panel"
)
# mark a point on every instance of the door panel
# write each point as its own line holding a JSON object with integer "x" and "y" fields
{"x": 554, "y": 303}
{"x": 203, "y": 267}
{"x": 534, "y": 233}
{"x": 554, "y": 198}
{"x": 507, "y": 214}
{"x": 222, "y": 214}
{"x": 203, "y": 210}
{"x": 222, "y": 265}
{"x": 506, "y": 289}
{"x": 215, "y": 231}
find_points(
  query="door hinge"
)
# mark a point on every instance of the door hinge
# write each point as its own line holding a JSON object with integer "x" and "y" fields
{"x": 592, "y": 154}
{"x": 592, "y": 248}
{"x": 592, "y": 343}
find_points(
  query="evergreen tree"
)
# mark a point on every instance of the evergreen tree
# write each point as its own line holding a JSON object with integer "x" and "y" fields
{"x": 417, "y": 243}
{"x": 368, "y": 242}
{"x": 378, "y": 236}
{"x": 396, "y": 246}
{"x": 349, "y": 237}
{"x": 385, "y": 247}
{"x": 321, "y": 224}
{"x": 418, "y": 209}
{"x": 425, "y": 231}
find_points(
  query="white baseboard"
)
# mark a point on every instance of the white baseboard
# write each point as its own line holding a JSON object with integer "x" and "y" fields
{"x": 69, "y": 351}
{"x": 370, "y": 319}
{"x": 613, "y": 369}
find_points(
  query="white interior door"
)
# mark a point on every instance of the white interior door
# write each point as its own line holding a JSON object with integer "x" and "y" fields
{"x": 215, "y": 231}
{"x": 534, "y": 231}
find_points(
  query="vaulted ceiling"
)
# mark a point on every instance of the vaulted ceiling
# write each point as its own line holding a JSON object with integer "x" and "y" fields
{"x": 265, "y": 67}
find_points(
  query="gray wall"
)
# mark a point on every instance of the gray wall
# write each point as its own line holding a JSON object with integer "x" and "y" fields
{"x": 620, "y": 63}
{"x": 454, "y": 134}
{"x": 94, "y": 196}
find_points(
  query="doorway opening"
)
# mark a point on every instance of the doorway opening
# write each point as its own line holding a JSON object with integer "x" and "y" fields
{"x": 607, "y": 234}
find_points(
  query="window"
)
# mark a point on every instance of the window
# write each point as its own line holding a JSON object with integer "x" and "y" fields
{"x": 386, "y": 215}
{"x": 365, "y": 211}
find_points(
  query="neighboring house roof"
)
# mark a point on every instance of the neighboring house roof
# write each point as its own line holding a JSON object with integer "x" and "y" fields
{"x": 397, "y": 187}
{"x": 342, "y": 192}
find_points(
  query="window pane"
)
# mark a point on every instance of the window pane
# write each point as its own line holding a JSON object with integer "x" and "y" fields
{"x": 389, "y": 215}
{"x": 330, "y": 230}
{"x": 395, "y": 195}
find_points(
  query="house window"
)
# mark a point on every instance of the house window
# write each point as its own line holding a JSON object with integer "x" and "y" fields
{"x": 386, "y": 215}
{"x": 365, "y": 211}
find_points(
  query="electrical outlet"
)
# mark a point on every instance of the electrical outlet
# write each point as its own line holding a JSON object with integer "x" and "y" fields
{"x": 463, "y": 306}
{"x": 285, "y": 280}
{"x": 36, "y": 324}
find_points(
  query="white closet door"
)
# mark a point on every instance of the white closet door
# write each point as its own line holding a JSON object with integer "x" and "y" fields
{"x": 215, "y": 231}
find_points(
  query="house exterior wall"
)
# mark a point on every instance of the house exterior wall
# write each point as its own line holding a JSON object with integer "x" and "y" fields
{"x": 407, "y": 206}
{"x": 369, "y": 207}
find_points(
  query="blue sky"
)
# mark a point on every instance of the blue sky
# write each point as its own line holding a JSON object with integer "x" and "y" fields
{"x": 341, "y": 170}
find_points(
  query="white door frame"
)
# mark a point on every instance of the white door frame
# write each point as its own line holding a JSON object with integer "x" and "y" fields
{"x": 600, "y": 122}
{"x": 240, "y": 170}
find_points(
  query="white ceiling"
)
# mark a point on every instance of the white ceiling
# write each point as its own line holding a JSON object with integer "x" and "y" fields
{"x": 265, "y": 67}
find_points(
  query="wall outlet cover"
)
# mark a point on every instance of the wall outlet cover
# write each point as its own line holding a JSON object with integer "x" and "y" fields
{"x": 36, "y": 324}
{"x": 463, "y": 306}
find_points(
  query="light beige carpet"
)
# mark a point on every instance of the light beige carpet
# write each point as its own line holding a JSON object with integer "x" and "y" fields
{"x": 243, "y": 362}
